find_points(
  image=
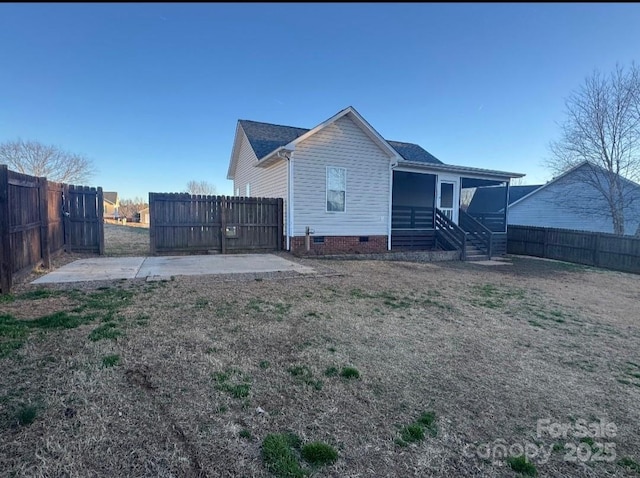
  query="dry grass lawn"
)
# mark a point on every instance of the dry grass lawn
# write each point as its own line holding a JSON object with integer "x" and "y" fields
{"x": 126, "y": 240}
{"x": 188, "y": 377}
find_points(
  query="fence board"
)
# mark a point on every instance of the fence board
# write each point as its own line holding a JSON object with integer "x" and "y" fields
{"x": 25, "y": 240}
{"x": 609, "y": 251}
{"x": 32, "y": 226}
{"x": 84, "y": 223}
{"x": 203, "y": 224}
{"x": 55, "y": 204}
{"x": 6, "y": 270}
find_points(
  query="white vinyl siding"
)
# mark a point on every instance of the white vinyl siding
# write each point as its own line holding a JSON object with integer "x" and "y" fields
{"x": 269, "y": 182}
{"x": 341, "y": 144}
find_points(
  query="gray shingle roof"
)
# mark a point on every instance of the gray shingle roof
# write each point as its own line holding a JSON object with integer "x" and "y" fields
{"x": 266, "y": 137}
{"x": 112, "y": 197}
{"x": 491, "y": 199}
{"x": 414, "y": 152}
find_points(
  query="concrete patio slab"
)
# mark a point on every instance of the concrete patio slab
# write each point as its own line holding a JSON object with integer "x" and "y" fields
{"x": 99, "y": 268}
{"x": 109, "y": 268}
{"x": 492, "y": 262}
{"x": 217, "y": 264}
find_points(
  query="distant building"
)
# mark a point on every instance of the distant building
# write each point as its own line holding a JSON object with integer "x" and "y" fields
{"x": 111, "y": 205}
{"x": 143, "y": 216}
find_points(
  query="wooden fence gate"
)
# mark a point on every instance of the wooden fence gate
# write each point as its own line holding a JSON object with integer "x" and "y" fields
{"x": 39, "y": 218}
{"x": 182, "y": 223}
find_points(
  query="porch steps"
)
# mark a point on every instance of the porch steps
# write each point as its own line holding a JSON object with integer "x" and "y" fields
{"x": 475, "y": 252}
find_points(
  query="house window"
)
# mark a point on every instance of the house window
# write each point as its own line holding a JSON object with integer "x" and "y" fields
{"x": 248, "y": 190}
{"x": 336, "y": 189}
{"x": 318, "y": 239}
{"x": 237, "y": 191}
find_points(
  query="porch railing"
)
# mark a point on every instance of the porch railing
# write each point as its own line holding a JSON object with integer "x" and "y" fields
{"x": 478, "y": 233}
{"x": 412, "y": 217}
{"x": 494, "y": 221}
{"x": 449, "y": 234}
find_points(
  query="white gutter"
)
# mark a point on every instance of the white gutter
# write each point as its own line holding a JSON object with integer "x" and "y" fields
{"x": 503, "y": 175}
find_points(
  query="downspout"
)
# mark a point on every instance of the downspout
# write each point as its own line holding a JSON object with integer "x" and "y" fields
{"x": 506, "y": 207}
{"x": 289, "y": 158}
{"x": 389, "y": 221}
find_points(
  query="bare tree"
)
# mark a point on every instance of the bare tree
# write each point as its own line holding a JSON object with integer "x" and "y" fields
{"x": 37, "y": 159}
{"x": 602, "y": 128}
{"x": 517, "y": 182}
{"x": 130, "y": 207}
{"x": 201, "y": 187}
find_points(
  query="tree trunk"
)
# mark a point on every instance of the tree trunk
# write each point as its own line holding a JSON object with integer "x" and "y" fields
{"x": 618, "y": 221}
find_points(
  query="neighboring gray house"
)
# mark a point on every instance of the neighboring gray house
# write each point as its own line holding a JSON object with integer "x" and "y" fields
{"x": 491, "y": 199}
{"x": 355, "y": 191}
{"x": 568, "y": 202}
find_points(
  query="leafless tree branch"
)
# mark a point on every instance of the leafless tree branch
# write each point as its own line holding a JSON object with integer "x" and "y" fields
{"x": 201, "y": 187}
{"x": 603, "y": 128}
{"x": 37, "y": 159}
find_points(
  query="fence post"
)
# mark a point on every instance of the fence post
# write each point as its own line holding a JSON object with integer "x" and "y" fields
{"x": 152, "y": 225}
{"x": 223, "y": 224}
{"x": 45, "y": 251}
{"x": 100, "y": 198}
{"x": 545, "y": 243}
{"x": 490, "y": 251}
{"x": 5, "y": 248}
{"x": 280, "y": 223}
{"x": 596, "y": 250}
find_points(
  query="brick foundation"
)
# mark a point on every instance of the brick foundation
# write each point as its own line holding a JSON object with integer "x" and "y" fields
{"x": 340, "y": 245}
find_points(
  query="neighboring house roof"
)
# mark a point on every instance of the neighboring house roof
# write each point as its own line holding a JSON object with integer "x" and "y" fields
{"x": 111, "y": 197}
{"x": 565, "y": 174}
{"x": 491, "y": 199}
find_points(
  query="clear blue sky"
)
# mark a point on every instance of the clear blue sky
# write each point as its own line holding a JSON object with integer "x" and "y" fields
{"x": 152, "y": 92}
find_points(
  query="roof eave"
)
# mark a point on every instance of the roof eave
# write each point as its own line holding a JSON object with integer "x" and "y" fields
{"x": 365, "y": 126}
{"x": 504, "y": 175}
{"x": 233, "y": 160}
{"x": 549, "y": 183}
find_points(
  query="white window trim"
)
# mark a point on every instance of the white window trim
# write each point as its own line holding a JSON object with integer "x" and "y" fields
{"x": 248, "y": 190}
{"x": 326, "y": 190}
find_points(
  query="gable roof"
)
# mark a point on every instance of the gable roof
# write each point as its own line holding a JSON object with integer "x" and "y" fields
{"x": 111, "y": 197}
{"x": 491, "y": 199}
{"x": 567, "y": 173}
{"x": 269, "y": 141}
{"x": 265, "y": 137}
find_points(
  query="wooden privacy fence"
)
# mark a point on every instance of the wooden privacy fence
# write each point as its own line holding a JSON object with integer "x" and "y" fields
{"x": 39, "y": 218}
{"x": 182, "y": 223}
{"x": 610, "y": 251}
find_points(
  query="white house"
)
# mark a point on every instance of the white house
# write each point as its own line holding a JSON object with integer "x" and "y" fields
{"x": 351, "y": 190}
{"x": 111, "y": 205}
